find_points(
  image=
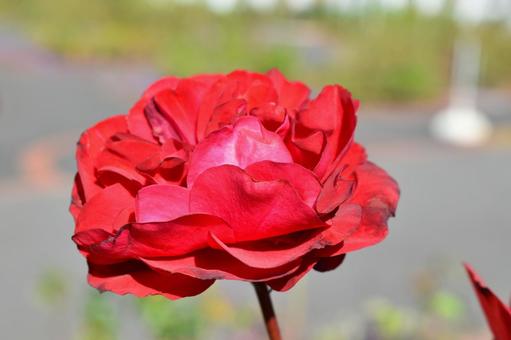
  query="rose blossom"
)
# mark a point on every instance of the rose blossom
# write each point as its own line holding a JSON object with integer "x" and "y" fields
{"x": 237, "y": 177}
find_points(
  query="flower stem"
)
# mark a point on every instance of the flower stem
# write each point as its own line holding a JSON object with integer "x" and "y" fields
{"x": 270, "y": 320}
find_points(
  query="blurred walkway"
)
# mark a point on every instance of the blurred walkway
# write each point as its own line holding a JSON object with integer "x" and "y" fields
{"x": 454, "y": 207}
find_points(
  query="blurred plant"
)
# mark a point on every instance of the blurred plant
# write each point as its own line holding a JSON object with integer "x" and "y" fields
{"x": 99, "y": 318}
{"x": 171, "y": 319}
{"x": 381, "y": 55}
{"x": 390, "y": 321}
{"x": 447, "y": 306}
{"x": 52, "y": 287}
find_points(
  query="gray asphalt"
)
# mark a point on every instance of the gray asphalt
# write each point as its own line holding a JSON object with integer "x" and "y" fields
{"x": 455, "y": 203}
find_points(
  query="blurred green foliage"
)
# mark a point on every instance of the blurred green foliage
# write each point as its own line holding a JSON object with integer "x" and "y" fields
{"x": 99, "y": 319}
{"x": 168, "y": 320}
{"x": 52, "y": 287}
{"x": 447, "y": 306}
{"x": 440, "y": 314}
{"x": 386, "y": 56}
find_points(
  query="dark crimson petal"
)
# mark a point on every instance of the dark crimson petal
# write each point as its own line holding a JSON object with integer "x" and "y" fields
{"x": 496, "y": 312}
{"x": 326, "y": 264}
{"x": 215, "y": 264}
{"x": 109, "y": 210}
{"x": 266, "y": 254}
{"x": 138, "y": 279}
{"x": 287, "y": 282}
{"x": 255, "y": 210}
{"x": 276, "y": 252}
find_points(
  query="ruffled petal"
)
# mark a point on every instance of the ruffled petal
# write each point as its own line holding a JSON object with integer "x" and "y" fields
{"x": 377, "y": 194}
{"x": 291, "y": 95}
{"x": 92, "y": 142}
{"x": 138, "y": 279}
{"x": 301, "y": 179}
{"x": 245, "y": 143}
{"x": 109, "y": 210}
{"x": 161, "y": 202}
{"x": 173, "y": 238}
{"x": 214, "y": 264}
{"x": 333, "y": 112}
{"x": 255, "y": 210}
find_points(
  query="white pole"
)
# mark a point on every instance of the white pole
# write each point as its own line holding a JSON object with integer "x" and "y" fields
{"x": 461, "y": 123}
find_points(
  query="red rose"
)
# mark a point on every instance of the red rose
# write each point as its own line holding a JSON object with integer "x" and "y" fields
{"x": 497, "y": 313}
{"x": 238, "y": 177}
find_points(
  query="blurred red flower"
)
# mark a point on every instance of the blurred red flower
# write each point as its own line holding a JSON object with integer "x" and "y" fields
{"x": 497, "y": 313}
{"x": 238, "y": 176}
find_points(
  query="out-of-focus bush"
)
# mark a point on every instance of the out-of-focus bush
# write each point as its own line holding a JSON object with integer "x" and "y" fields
{"x": 382, "y": 55}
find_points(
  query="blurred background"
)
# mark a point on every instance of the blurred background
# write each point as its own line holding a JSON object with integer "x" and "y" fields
{"x": 434, "y": 78}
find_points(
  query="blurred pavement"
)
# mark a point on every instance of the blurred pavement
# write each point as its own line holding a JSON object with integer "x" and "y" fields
{"x": 454, "y": 207}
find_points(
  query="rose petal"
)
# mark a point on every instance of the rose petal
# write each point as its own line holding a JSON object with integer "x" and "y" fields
{"x": 255, "y": 210}
{"x": 92, "y": 142}
{"x": 109, "y": 210}
{"x": 245, "y": 143}
{"x": 497, "y": 314}
{"x": 301, "y": 179}
{"x": 326, "y": 264}
{"x": 173, "y": 238}
{"x": 292, "y": 95}
{"x": 276, "y": 252}
{"x": 215, "y": 264}
{"x": 161, "y": 202}
{"x": 377, "y": 193}
{"x": 333, "y": 111}
{"x": 138, "y": 279}
{"x": 287, "y": 282}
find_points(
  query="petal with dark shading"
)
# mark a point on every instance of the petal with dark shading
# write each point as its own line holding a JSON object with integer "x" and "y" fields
{"x": 173, "y": 238}
{"x": 255, "y": 210}
{"x": 278, "y": 251}
{"x": 326, "y": 264}
{"x": 209, "y": 264}
{"x": 287, "y": 282}
{"x": 497, "y": 314}
{"x": 266, "y": 254}
{"x": 138, "y": 279}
